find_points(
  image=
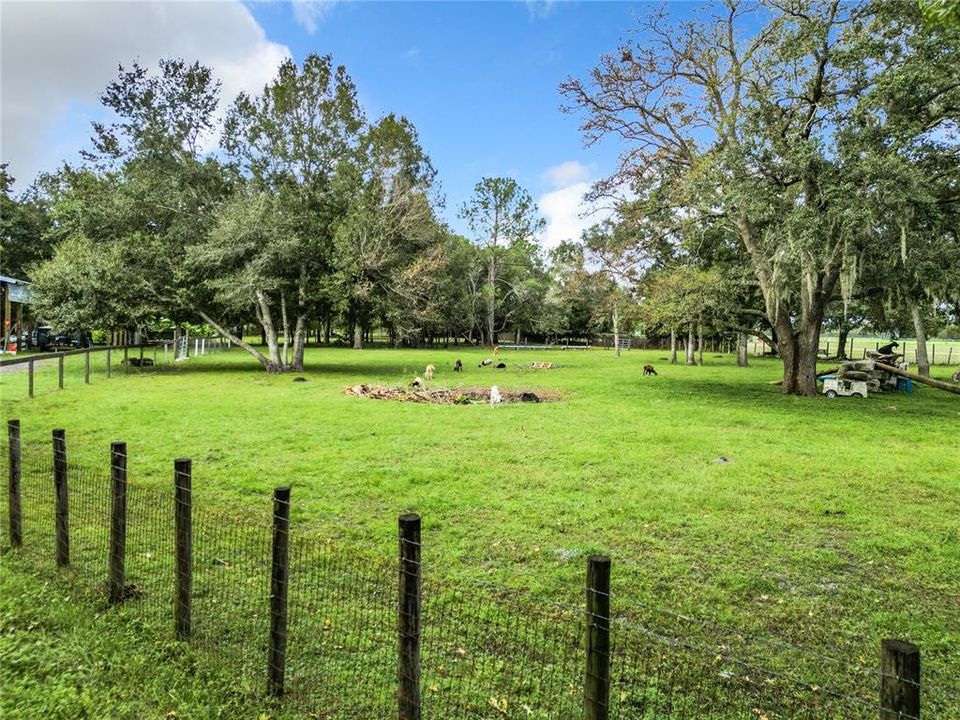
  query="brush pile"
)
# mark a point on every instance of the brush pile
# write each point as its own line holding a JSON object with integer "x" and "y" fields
{"x": 449, "y": 396}
{"x": 876, "y": 378}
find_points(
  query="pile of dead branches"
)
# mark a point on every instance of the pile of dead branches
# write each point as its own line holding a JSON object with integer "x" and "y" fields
{"x": 448, "y": 396}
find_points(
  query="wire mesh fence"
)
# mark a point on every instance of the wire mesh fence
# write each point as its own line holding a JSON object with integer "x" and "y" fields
{"x": 344, "y": 633}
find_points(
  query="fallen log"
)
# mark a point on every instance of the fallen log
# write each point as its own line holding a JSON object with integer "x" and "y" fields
{"x": 939, "y": 384}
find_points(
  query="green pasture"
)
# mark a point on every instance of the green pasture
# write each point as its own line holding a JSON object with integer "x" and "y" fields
{"x": 822, "y": 524}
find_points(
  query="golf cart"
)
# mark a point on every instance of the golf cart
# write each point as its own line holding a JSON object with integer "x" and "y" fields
{"x": 836, "y": 387}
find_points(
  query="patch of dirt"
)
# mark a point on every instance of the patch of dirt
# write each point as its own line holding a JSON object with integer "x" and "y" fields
{"x": 450, "y": 396}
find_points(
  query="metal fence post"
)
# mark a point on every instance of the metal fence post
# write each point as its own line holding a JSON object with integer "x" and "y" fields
{"x": 118, "y": 520}
{"x": 184, "y": 547}
{"x": 596, "y": 695}
{"x": 899, "y": 680}
{"x": 13, "y": 487}
{"x": 408, "y": 695}
{"x": 62, "y": 513}
{"x": 279, "y": 578}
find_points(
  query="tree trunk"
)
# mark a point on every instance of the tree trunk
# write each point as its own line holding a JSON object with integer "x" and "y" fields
{"x": 798, "y": 351}
{"x": 326, "y": 330}
{"x": 286, "y": 330}
{"x": 700, "y": 344}
{"x": 176, "y": 340}
{"x": 492, "y": 297}
{"x": 842, "y": 339}
{"x": 616, "y": 330}
{"x": 742, "y": 344}
{"x": 939, "y": 384}
{"x": 357, "y": 337}
{"x": 269, "y": 332}
{"x": 299, "y": 343}
{"x": 691, "y": 346}
{"x": 239, "y": 342}
{"x": 923, "y": 362}
{"x": 673, "y": 346}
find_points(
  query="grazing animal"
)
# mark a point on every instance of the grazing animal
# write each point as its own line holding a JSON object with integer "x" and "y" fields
{"x": 500, "y": 365}
{"x": 458, "y": 366}
{"x": 956, "y": 377}
{"x": 495, "y": 396}
{"x": 648, "y": 369}
{"x": 417, "y": 383}
{"x": 486, "y": 362}
{"x": 888, "y": 349}
{"x": 139, "y": 362}
{"x": 428, "y": 372}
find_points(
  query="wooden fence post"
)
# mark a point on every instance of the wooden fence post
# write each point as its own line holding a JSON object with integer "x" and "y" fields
{"x": 164, "y": 353}
{"x": 13, "y": 486}
{"x": 60, "y": 371}
{"x": 408, "y": 695}
{"x": 86, "y": 367}
{"x": 596, "y": 693}
{"x": 154, "y": 355}
{"x": 30, "y": 376}
{"x": 62, "y": 513}
{"x": 184, "y": 546}
{"x": 126, "y": 355}
{"x": 899, "y": 680}
{"x": 108, "y": 362}
{"x": 118, "y": 520}
{"x": 279, "y": 578}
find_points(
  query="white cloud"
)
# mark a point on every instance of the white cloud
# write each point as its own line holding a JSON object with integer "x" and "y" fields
{"x": 540, "y": 9}
{"x": 565, "y": 208}
{"x": 309, "y": 13}
{"x": 411, "y": 53}
{"x": 566, "y": 173}
{"x": 58, "y": 57}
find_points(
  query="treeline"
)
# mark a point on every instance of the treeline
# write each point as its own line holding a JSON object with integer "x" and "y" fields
{"x": 303, "y": 217}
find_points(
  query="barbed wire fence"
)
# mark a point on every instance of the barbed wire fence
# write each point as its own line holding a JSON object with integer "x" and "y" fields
{"x": 331, "y": 628}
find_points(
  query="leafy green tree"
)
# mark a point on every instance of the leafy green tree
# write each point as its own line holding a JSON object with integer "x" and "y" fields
{"x": 291, "y": 141}
{"x": 619, "y": 255}
{"x": 757, "y": 128}
{"x": 944, "y": 12}
{"x": 502, "y": 216}
{"x": 24, "y": 223}
{"x": 146, "y": 195}
{"x": 386, "y": 245}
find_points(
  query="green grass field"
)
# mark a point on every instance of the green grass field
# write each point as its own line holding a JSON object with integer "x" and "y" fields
{"x": 827, "y": 524}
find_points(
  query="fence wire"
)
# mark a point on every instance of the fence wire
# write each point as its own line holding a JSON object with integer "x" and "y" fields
{"x": 335, "y": 640}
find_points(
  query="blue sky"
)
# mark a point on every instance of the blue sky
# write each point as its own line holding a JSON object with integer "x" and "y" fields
{"x": 478, "y": 79}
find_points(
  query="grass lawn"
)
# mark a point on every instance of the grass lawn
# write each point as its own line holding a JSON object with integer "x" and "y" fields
{"x": 825, "y": 524}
